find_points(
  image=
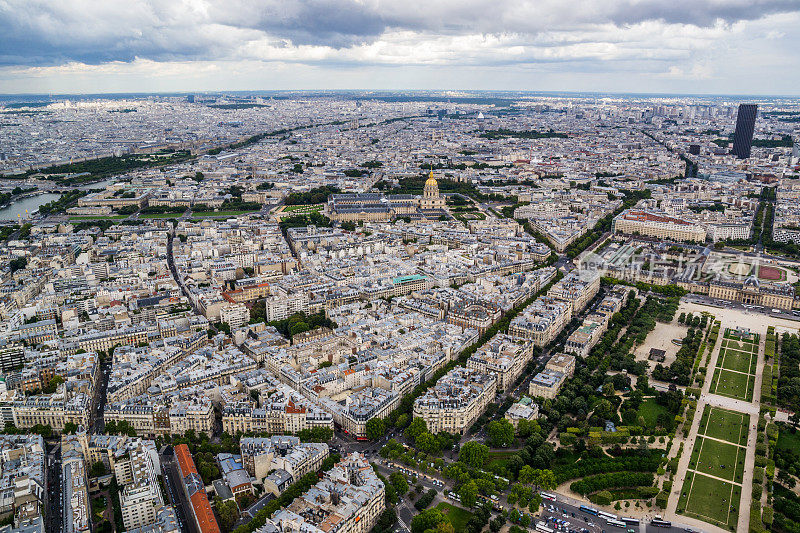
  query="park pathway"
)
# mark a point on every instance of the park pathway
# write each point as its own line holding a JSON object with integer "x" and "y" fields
{"x": 752, "y": 437}
{"x": 683, "y": 463}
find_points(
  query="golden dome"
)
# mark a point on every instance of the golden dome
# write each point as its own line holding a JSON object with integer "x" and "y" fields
{"x": 431, "y": 180}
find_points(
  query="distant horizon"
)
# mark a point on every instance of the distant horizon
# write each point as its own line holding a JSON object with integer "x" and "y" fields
{"x": 436, "y": 92}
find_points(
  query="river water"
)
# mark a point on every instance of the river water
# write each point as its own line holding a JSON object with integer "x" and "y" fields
{"x": 30, "y": 204}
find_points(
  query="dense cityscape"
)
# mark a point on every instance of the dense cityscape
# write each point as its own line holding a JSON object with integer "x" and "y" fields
{"x": 380, "y": 312}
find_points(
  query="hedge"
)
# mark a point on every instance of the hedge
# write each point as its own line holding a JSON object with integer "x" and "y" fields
{"x": 612, "y": 480}
{"x": 755, "y": 518}
{"x": 425, "y": 500}
{"x": 661, "y": 499}
{"x": 587, "y": 466}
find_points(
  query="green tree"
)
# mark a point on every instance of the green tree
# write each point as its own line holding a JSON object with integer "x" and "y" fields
{"x": 500, "y": 433}
{"x": 416, "y": 428}
{"x": 525, "y": 474}
{"x": 375, "y": 428}
{"x": 544, "y": 479}
{"x": 473, "y": 454}
{"x": 98, "y": 469}
{"x": 427, "y": 443}
{"x": 228, "y": 513}
{"x": 399, "y": 483}
{"x": 468, "y": 493}
{"x": 428, "y": 519}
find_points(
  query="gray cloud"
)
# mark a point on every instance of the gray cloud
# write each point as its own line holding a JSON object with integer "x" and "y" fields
{"x": 41, "y": 32}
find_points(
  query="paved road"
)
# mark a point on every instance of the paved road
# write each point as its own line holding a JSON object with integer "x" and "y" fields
{"x": 177, "y": 497}
{"x": 580, "y": 520}
{"x": 96, "y": 422}
{"x": 53, "y": 522}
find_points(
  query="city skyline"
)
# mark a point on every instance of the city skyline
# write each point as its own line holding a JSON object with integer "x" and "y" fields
{"x": 711, "y": 47}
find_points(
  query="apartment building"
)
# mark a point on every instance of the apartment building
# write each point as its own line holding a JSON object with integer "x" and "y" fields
{"x": 651, "y": 224}
{"x": 235, "y": 315}
{"x": 282, "y": 414}
{"x": 456, "y": 401}
{"x": 76, "y": 508}
{"x": 525, "y": 409}
{"x": 163, "y": 415}
{"x": 261, "y": 455}
{"x": 52, "y": 410}
{"x": 195, "y": 492}
{"x": 505, "y": 356}
{"x": 349, "y": 499}
{"x": 578, "y": 288}
{"x": 549, "y": 381}
{"x": 282, "y": 306}
{"x": 166, "y": 522}
{"x": 541, "y": 321}
{"x": 23, "y": 479}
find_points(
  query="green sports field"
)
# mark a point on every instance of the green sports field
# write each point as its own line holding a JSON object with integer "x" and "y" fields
{"x": 724, "y": 425}
{"x": 737, "y": 360}
{"x": 718, "y": 459}
{"x": 733, "y": 384}
{"x": 710, "y": 500}
{"x": 712, "y": 488}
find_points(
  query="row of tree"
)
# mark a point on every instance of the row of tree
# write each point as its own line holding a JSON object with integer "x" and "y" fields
{"x": 611, "y": 480}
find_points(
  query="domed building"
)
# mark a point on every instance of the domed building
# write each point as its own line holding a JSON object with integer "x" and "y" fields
{"x": 430, "y": 195}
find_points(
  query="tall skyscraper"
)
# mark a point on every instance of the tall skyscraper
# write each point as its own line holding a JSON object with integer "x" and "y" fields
{"x": 745, "y": 125}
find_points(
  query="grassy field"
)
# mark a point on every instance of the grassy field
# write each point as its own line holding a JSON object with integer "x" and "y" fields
{"x": 710, "y": 500}
{"x": 718, "y": 459}
{"x": 742, "y": 346}
{"x": 649, "y": 410}
{"x": 457, "y": 516}
{"x": 788, "y": 441}
{"x": 713, "y": 500}
{"x": 209, "y": 214}
{"x": 98, "y": 217}
{"x": 303, "y": 208}
{"x": 161, "y": 215}
{"x": 724, "y": 425}
{"x": 737, "y": 360}
{"x": 733, "y": 384}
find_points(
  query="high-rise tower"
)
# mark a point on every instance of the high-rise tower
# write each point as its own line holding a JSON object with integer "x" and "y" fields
{"x": 745, "y": 125}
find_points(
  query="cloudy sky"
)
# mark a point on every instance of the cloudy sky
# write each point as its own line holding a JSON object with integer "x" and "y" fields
{"x": 673, "y": 46}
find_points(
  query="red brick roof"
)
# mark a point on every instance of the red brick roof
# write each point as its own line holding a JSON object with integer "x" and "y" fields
{"x": 200, "y": 504}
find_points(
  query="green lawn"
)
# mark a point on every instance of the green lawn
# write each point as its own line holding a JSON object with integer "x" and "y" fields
{"x": 303, "y": 208}
{"x": 161, "y": 215}
{"x": 710, "y": 500}
{"x": 98, "y": 217}
{"x": 788, "y": 440}
{"x": 208, "y": 214}
{"x": 719, "y": 459}
{"x": 649, "y": 409}
{"x": 737, "y": 360}
{"x": 742, "y": 346}
{"x": 725, "y": 425}
{"x": 457, "y": 516}
{"x": 733, "y": 384}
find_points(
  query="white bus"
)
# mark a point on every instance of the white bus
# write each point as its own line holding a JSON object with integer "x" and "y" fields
{"x": 630, "y": 521}
{"x": 617, "y": 523}
{"x": 543, "y": 528}
{"x": 548, "y": 496}
{"x": 607, "y": 516}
